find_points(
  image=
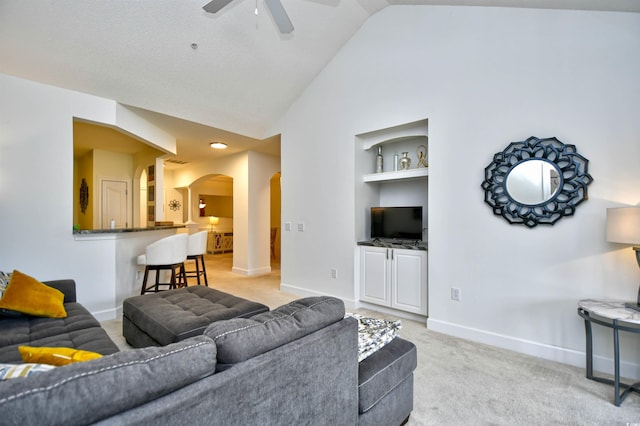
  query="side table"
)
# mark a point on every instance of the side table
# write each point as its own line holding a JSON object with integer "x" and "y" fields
{"x": 612, "y": 314}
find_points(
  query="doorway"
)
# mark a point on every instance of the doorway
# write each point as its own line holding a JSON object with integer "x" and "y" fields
{"x": 275, "y": 216}
{"x": 115, "y": 206}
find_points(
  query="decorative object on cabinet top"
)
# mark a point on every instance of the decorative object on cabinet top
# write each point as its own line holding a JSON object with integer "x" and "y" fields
{"x": 410, "y": 245}
{"x": 536, "y": 181}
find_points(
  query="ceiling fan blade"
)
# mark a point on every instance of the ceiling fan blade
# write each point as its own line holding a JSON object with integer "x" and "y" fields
{"x": 279, "y": 15}
{"x": 215, "y": 5}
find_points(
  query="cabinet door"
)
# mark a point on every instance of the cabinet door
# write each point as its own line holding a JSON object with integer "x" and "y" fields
{"x": 409, "y": 281}
{"x": 374, "y": 275}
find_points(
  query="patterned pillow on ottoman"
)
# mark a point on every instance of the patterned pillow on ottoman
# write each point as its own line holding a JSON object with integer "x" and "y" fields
{"x": 374, "y": 333}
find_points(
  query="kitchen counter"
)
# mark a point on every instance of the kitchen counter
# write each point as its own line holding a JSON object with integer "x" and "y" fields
{"x": 124, "y": 230}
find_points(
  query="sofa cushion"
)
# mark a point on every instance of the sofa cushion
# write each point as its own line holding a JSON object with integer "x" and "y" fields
{"x": 78, "y": 330}
{"x": 384, "y": 370}
{"x": 242, "y": 338}
{"x": 87, "y": 392}
{"x": 27, "y": 295}
{"x": 174, "y": 315}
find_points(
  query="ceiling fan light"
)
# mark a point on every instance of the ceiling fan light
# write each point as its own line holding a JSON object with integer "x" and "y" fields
{"x": 218, "y": 145}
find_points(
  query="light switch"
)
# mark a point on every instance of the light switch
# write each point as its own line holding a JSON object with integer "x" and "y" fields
{"x": 301, "y": 227}
{"x": 287, "y": 226}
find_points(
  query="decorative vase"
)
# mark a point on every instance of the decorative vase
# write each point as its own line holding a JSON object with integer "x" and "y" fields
{"x": 405, "y": 161}
{"x": 379, "y": 160}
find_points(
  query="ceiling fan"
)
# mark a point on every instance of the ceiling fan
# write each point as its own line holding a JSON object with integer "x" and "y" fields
{"x": 275, "y": 8}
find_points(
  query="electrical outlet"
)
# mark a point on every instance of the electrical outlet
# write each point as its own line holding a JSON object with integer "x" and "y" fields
{"x": 455, "y": 294}
{"x": 301, "y": 227}
{"x": 334, "y": 273}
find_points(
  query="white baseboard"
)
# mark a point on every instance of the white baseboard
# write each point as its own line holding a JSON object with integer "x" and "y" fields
{"x": 390, "y": 311}
{"x": 541, "y": 350}
{"x": 303, "y": 292}
{"x": 251, "y": 272}
{"x": 108, "y": 314}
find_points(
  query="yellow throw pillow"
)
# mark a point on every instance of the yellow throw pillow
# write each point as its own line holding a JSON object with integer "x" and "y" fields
{"x": 27, "y": 295}
{"x": 55, "y": 356}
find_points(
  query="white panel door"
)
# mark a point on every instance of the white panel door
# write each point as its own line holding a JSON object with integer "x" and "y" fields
{"x": 409, "y": 280}
{"x": 374, "y": 275}
{"x": 114, "y": 203}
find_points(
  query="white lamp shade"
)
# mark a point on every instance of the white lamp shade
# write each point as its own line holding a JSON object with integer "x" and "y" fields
{"x": 214, "y": 220}
{"x": 623, "y": 225}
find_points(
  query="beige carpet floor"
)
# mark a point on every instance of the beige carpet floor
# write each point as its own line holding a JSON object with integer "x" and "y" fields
{"x": 459, "y": 382}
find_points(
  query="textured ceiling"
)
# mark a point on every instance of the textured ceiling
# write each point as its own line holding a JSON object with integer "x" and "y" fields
{"x": 241, "y": 77}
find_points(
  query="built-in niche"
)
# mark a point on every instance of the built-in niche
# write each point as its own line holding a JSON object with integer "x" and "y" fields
{"x": 216, "y": 205}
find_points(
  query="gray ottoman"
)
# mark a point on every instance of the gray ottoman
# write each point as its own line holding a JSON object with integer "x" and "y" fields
{"x": 159, "y": 319}
{"x": 385, "y": 384}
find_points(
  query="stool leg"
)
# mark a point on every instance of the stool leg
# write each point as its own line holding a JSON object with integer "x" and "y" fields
{"x": 172, "y": 283}
{"x": 157, "y": 286}
{"x": 183, "y": 274}
{"x": 144, "y": 281}
{"x": 197, "y": 268}
{"x": 204, "y": 271}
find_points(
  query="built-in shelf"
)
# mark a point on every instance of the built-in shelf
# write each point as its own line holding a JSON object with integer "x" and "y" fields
{"x": 416, "y": 129}
{"x": 399, "y": 175}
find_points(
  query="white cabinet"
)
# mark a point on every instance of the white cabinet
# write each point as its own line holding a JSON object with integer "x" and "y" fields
{"x": 393, "y": 277}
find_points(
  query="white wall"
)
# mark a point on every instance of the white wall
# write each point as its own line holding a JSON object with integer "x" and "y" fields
{"x": 483, "y": 77}
{"x": 36, "y": 184}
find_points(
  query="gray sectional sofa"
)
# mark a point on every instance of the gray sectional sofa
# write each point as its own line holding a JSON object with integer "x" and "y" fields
{"x": 297, "y": 364}
{"x": 78, "y": 330}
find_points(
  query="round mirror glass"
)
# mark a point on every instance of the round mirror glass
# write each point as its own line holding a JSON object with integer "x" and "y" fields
{"x": 533, "y": 182}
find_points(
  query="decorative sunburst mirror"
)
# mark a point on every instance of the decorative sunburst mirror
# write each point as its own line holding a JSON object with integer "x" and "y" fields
{"x": 536, "y": 181}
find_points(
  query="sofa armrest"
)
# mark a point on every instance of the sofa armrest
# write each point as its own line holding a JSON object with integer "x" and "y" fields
{"x": 67, "y": 286}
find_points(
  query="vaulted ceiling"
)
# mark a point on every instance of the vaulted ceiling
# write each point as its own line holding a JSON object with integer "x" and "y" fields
{"x": 200, "y": 76}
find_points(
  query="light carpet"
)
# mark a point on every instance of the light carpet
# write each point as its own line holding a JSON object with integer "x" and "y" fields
{"x": 459, "y": 382}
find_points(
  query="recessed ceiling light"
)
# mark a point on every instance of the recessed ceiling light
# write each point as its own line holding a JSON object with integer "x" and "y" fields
{"x": 218, "y": 145}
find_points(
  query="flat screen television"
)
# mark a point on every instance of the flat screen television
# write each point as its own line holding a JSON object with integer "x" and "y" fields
{"x": 401, "y": 223}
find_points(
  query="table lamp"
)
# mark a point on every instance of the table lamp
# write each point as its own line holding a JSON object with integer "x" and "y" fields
{"x": 623, "y": 227}
{"x": 213, "y": 221}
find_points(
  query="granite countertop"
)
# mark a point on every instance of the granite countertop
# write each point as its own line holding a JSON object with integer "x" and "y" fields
{"x": 399, "y": 244}
{"x": 123, "y": 230}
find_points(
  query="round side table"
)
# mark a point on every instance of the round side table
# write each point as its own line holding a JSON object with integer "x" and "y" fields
{"x": 612, "y": 314}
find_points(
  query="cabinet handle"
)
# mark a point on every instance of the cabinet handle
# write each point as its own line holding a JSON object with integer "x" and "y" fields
{"x": 387, "y": 254}
{"x": 391, "y": 254}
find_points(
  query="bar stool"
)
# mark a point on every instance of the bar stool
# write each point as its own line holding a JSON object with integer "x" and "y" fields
{"x": 196, "y": 248}
{"x": 168, "y": 254}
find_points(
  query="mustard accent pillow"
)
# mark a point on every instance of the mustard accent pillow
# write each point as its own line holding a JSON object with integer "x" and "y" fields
{"x": 27, "y": 295}
{"x": 55, "y": 356}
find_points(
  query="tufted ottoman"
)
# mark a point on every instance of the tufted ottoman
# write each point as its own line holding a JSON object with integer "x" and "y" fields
{"x": 166, "y": 317}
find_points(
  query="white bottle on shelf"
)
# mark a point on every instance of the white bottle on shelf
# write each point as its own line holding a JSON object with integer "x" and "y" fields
{"x": 379, "y": 159}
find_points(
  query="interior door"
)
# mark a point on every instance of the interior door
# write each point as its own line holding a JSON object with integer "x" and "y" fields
{"x": 114, "y": 203}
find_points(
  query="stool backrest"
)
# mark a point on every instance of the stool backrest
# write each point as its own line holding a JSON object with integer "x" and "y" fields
{"x": 197, "y": 243}
{"x": 168, "y": 250}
